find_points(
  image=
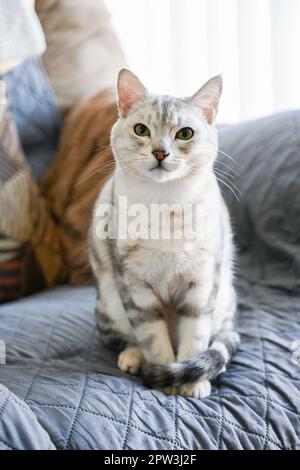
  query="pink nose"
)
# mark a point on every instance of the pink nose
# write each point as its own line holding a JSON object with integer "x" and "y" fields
{"x": 160, "y": 154}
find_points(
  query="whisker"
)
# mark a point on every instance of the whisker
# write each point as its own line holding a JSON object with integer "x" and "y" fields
{"x": 102, "y": 147}
{"x": 232, "y": 183}
{"x": 221, "y": 181}
{"x": 113, "y": 162}
{"x": 89, "y": 176}
{"x": 106, "y": 166}
{"x": 224, "y": 172}
{"x": 226, "y": 155}
{"x": 100, "y": 168}
{"x": 227, "y": 166}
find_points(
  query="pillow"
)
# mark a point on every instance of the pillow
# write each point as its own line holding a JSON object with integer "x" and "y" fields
{"x": 83, "y": 54}
{"x": 33, "y": 107}
{"x": 266, "y": 220}
{"x": 27, "y": 231}
{"x": 11, "y": 255}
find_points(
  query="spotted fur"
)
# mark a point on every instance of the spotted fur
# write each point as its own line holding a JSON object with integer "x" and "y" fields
{"x": 168, "y": 305}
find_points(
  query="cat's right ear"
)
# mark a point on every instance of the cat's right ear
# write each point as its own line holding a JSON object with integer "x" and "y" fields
{"x": 130, "y": 91}
{"x": 208, "y": 97}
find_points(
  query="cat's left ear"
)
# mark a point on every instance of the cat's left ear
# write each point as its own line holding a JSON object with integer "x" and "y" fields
{"x": 130, "y": 91}
{"x": 208, "y": 97}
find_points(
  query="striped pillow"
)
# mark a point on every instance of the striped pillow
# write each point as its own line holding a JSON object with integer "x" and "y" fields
{"x": 11, "y": 250}
{"x": 11, "y": 260}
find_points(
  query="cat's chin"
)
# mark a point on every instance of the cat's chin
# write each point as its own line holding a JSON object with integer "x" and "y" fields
{"x": 161, "y": 175}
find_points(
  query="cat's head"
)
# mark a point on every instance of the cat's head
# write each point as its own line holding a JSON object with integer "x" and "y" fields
{"x": 161, "y": 137}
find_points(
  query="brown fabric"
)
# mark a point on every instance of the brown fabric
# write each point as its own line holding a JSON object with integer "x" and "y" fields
{"x": 83, "y": 164}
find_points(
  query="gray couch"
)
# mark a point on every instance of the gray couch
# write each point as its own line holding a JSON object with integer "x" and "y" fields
{"x": 61, "y": 388}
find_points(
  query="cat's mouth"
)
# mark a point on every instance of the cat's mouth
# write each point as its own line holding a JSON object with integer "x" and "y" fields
{"x": 159, "y": 167}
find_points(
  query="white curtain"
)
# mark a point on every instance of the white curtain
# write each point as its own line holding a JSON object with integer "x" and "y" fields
{"x": 175, "y": 45}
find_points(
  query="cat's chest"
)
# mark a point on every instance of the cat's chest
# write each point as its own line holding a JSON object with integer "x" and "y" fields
{"x": 165, "y": 266}
{"x": 167, "y": 238}
{"x": 162, "y": 260}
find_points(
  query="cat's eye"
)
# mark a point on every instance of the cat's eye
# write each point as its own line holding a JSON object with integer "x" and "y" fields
{"x": 141, "y": 130}
{"x": 186, "y": 133}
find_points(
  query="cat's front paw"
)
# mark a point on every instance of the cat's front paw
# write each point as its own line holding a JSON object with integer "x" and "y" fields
{"x": 130, "y": 360}
{"x": 198, "y": 390}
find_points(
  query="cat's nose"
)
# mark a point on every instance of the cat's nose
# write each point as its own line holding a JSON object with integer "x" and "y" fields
{"x": 160, "y": 154}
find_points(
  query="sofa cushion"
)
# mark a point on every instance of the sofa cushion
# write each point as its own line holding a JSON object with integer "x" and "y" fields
{"x": 266, "y": 218}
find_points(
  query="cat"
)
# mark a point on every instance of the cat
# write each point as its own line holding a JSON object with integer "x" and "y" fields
{"x": 165, "y": 148}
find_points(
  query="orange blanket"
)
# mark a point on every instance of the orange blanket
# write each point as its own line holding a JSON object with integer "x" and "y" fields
{"x": 83, "y": 163}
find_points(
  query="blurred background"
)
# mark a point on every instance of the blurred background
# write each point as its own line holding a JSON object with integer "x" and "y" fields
{"x": 175, "y": 45}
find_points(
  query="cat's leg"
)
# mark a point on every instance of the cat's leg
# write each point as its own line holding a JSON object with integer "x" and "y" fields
{"x": 195, "y": 315}
{"x": 115, "y": 328}
{"x": 225, "y": 341}
{"x": 194, "y": 332}
{"x": 146, "y": 315}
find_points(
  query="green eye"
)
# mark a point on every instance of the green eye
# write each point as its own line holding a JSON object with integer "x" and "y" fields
{"x": 186, "y": 133}
{"x": 141, "y": 130}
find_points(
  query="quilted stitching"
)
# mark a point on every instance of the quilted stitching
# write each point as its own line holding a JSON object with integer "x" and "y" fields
{"x": 83, "y": 401}
{"x": 85, "y": 381}
{"x": 124, "y": 445}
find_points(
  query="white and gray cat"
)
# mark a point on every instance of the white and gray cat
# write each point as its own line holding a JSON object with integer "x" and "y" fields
{"x": 167, "y": 305}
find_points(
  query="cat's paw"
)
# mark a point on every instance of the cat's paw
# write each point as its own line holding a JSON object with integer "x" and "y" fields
{"x": 198, "y": 390}
{"x": 130, "y": 360}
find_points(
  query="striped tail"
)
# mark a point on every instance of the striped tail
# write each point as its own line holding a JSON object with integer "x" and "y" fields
{"x": 206, "y": 366}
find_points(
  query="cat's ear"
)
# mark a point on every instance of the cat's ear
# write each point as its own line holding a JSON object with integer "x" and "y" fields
{"x": 208, "y": 97}
{"x": 130, "y": 91}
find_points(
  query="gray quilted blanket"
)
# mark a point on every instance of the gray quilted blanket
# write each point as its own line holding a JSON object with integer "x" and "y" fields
{"x": 61, "y": 389}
